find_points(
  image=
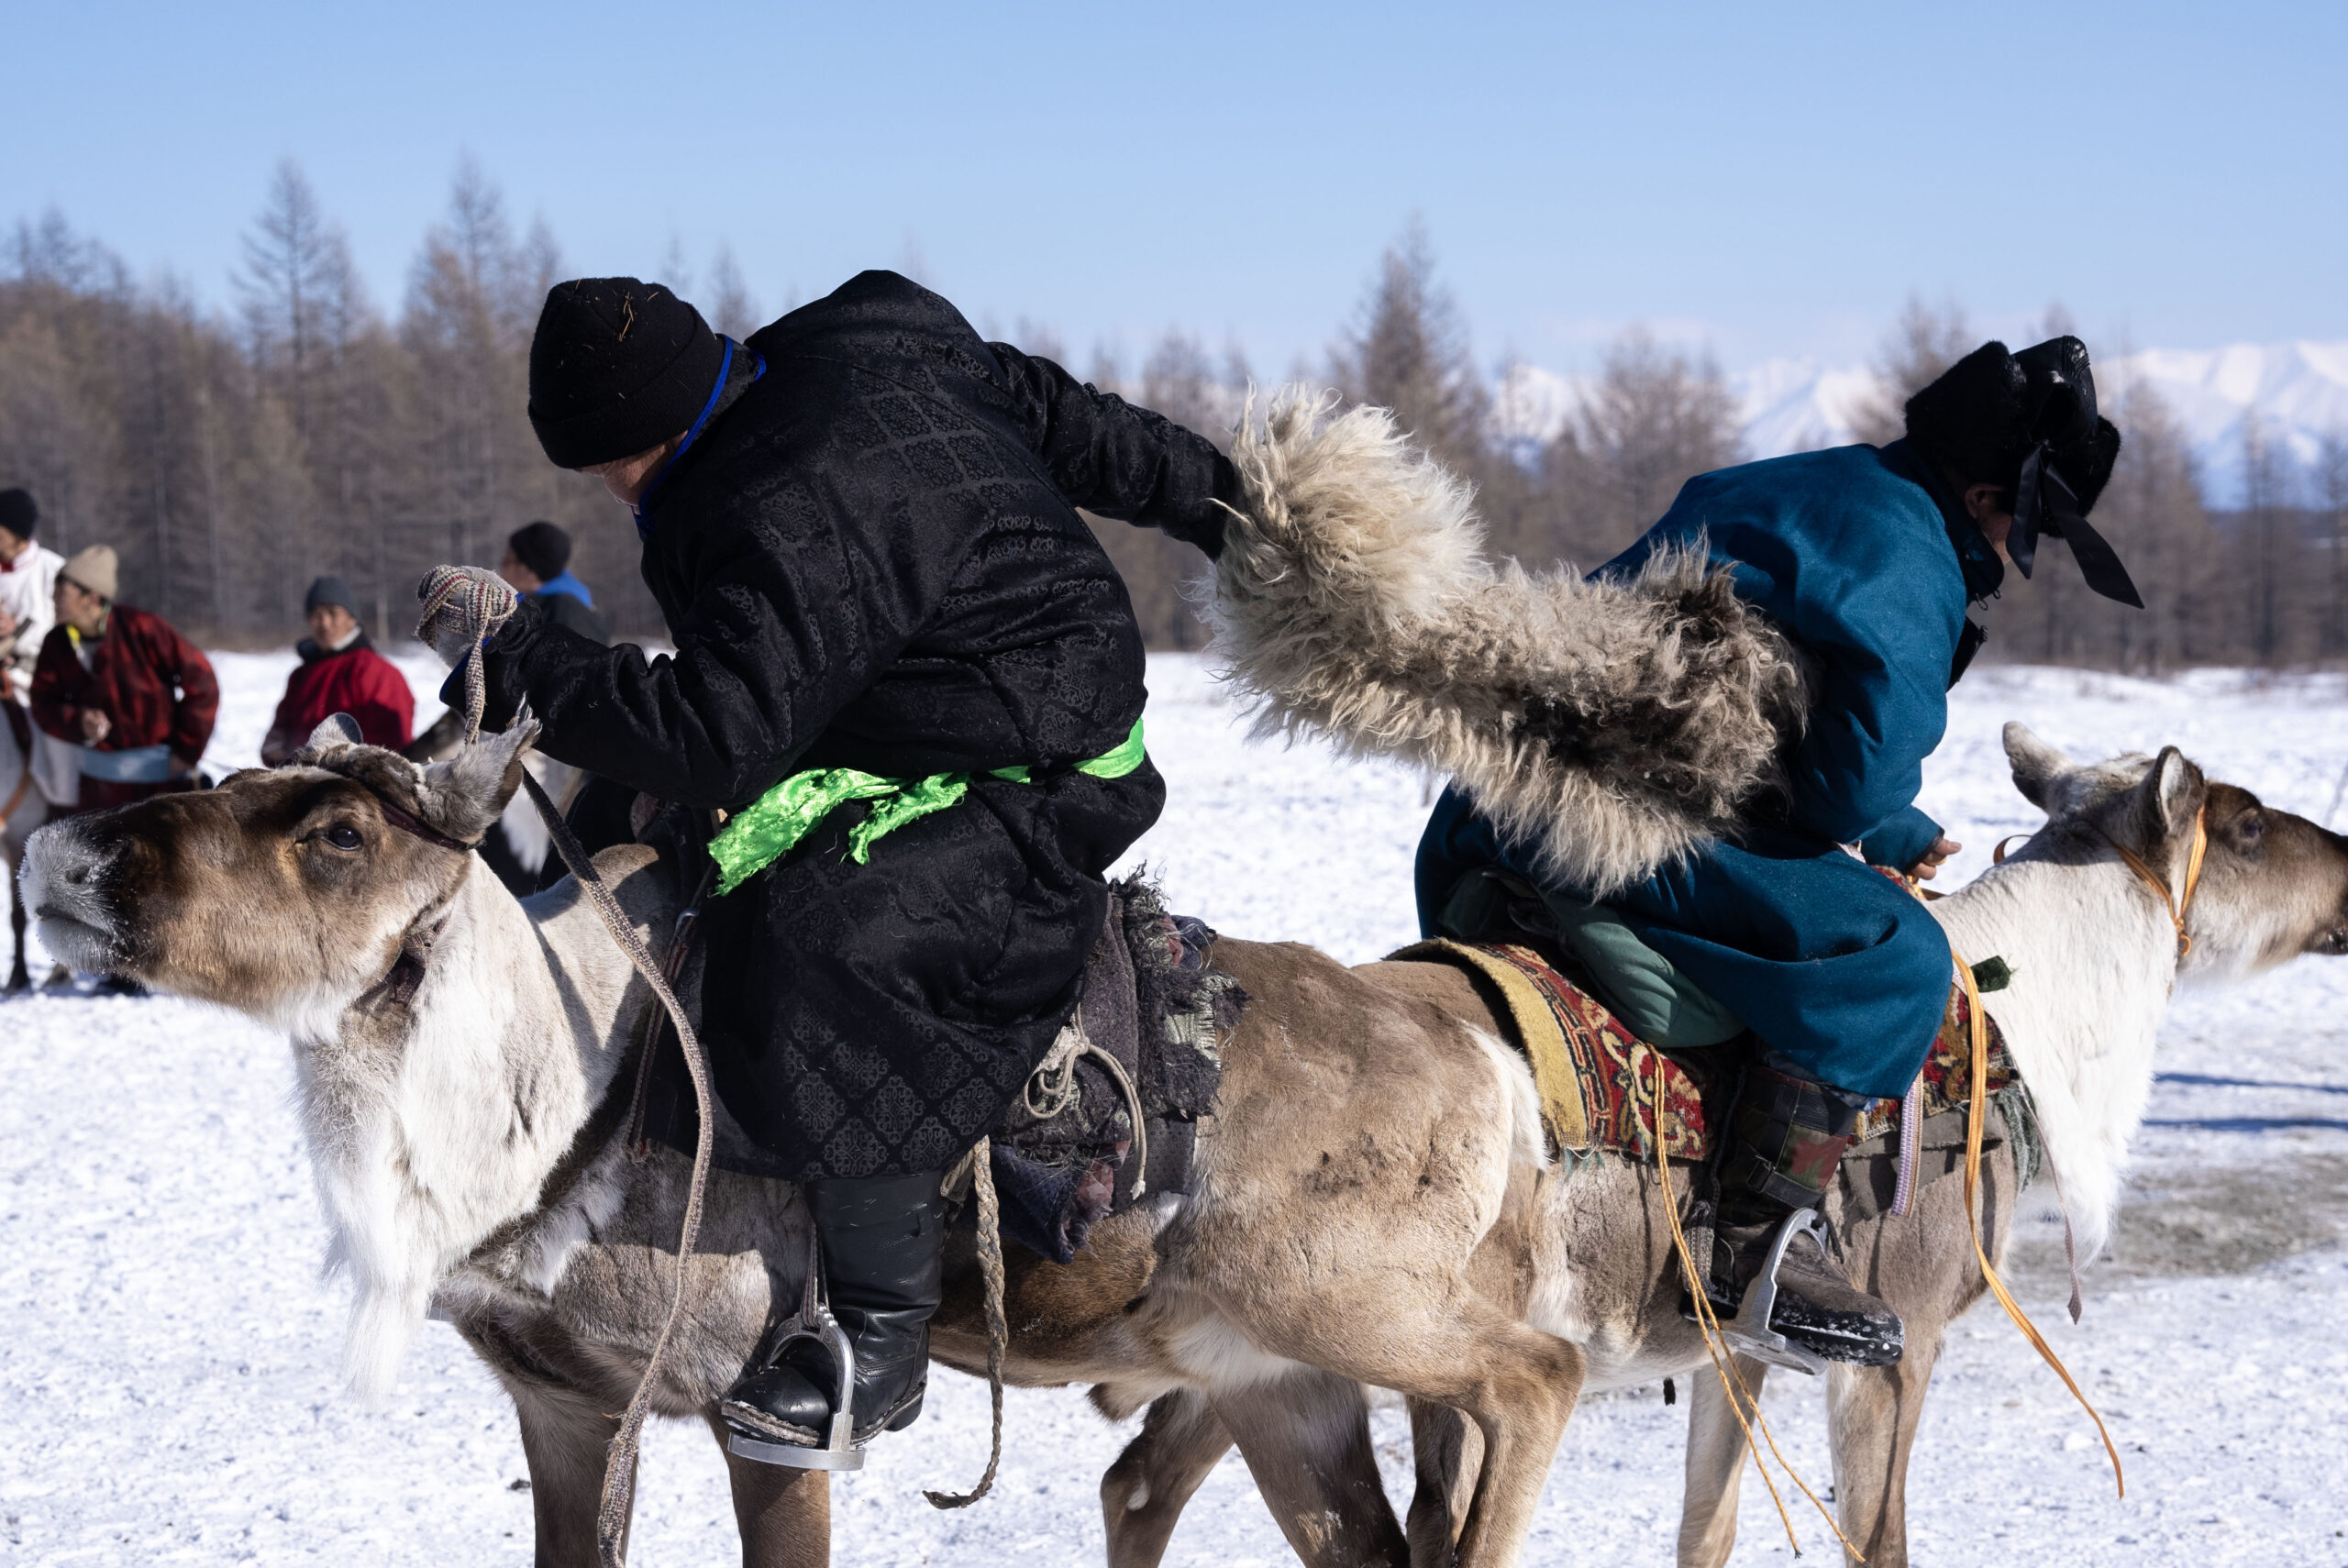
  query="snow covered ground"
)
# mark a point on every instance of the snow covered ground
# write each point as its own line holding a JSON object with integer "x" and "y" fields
{"x": 167, "y": 1352}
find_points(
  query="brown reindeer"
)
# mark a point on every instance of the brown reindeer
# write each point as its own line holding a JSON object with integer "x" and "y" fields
{"x": 1373, "y": 1205}
{"x": 2096, "y": 956}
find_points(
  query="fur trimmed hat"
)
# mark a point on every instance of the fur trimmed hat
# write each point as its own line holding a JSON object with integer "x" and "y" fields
{"x": 2027, "y": 423}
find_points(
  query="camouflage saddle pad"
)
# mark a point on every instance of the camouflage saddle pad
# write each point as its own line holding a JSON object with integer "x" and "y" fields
{"x": 1148, "y": 1034}
{"x": 1596, "y": 1079}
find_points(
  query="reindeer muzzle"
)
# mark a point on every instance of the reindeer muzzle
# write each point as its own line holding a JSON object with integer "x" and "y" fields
{"x": 64, "y": 887}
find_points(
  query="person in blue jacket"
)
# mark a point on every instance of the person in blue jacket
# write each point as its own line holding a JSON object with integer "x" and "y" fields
{"x": 1867, "y": 559}
{"x": 537, "y": 562}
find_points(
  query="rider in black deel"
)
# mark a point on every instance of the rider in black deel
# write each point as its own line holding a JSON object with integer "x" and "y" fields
{"x": 860, "y": 525}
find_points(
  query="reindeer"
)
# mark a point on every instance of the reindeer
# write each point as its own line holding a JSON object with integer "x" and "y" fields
{"x": 457, "y": 1050}
{"x": 1373, "y": 1205}
{"x": 2096, "y": 955}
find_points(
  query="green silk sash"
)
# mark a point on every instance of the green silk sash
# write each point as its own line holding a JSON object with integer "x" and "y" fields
{"x": 765, "y": 831}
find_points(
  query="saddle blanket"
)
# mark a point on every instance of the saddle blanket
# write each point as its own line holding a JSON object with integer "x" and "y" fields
{"x": 1146, "y": 1037}
{"x": 1596, "y": 1079}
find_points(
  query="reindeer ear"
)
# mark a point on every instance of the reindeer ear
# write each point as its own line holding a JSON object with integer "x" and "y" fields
{"x": 2172, "y": 793}
{"x": 464, "y": 795}
{"x": 2036, "y": 764}
{"x": 335, "y": 729}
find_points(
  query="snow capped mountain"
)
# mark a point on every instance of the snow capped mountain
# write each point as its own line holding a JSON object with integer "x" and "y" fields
{"x": 1783, "y": 405}
{"x": 2297, "y": 390}
{"x": 1800, "y": 405}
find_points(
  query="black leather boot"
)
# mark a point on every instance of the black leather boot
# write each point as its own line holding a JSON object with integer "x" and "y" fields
{"x": 882, "y": 1242}
{"x": 1786, "y": 1138}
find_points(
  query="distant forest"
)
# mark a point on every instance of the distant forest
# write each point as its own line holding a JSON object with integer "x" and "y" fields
{"x": 230, "y": 458}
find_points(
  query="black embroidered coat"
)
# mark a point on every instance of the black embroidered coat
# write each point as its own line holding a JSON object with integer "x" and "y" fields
{"x": 872, "y": 558}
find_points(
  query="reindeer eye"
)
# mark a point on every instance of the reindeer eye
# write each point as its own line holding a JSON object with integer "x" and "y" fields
{"x": 342, "y": 835}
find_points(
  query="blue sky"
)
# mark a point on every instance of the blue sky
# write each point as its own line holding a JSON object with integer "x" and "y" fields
{"x": 1766, "y": 179}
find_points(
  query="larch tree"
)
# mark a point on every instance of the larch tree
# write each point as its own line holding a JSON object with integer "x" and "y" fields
{"x": 1655, "y": 418}
{"x": 1925, "y": 341}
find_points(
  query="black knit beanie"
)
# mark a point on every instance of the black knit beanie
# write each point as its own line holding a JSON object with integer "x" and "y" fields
{"x": 543, "y": 548}
{"x": 18, "y": 513}
{"x": 616, "y": 368}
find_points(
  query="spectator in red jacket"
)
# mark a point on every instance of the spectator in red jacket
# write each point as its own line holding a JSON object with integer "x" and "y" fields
{"x": 134, "y": 695}
{"x": 340, "y": 673}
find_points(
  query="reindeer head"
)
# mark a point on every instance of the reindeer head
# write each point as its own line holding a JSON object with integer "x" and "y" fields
{"x": 281, "y": 892}
{"x": 2273, "y": 886}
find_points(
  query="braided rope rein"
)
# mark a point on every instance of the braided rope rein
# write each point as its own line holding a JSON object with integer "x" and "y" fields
{"x": 482, "y": 604}
{"x": 990, "y": 1271}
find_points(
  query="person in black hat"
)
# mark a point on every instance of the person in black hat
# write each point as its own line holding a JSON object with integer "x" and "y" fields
{"x": 538, "y": 561}
{"x": 1834, "y": 975}
{"x": 2018, "y": 438}
{"x": 862, "y": 527}
{"x": 28, "y": 585}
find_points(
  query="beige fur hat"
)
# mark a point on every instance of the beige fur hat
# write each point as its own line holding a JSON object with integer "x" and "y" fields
{"x": 92, "y": 570}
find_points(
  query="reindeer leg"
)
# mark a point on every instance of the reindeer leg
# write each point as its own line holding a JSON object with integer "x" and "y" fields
{"x": 20, "y": 978}
{"x": 1522, "y": 1410}
{"x": 784, "y": 1515}
{"x": 1306, "y": 1441}
{"x": 564, "y": 1437}
{"x": 1871, "y": 1416}
{"x": 1447, "y": 1452}
{"x": 1516, "y": 1382}
{"x": 1715, "y": 1466}
{"x": 1923, "y": 1266}
{"x": 1143, "y": 1492}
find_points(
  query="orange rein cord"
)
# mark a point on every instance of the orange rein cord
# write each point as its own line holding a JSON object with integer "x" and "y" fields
{"x": 1976, "y": 1120}
{"x": 1976, "y": 1112}
{"x": 2159, "y": 883}
{"x": 2150, "y": 878}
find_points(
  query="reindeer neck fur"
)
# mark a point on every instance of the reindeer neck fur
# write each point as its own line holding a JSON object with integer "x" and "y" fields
{"x": 2094, "y": 960}
{"x": 434, "y": 1126}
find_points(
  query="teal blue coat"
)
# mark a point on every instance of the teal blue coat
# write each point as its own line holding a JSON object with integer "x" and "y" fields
{"x": 1865, "y": 562}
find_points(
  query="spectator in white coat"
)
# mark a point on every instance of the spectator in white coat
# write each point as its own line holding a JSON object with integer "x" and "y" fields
{"x": 28, "y": 609}
{"x": 27, "y": 587}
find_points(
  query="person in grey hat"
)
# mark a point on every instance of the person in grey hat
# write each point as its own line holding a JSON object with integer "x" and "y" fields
{"x": 340, "y": 672}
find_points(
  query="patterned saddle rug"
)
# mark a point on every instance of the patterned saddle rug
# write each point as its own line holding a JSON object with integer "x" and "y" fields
{"x": 1596, "y": 1080}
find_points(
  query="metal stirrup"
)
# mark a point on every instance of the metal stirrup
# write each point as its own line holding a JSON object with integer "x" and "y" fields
{"x": 814, "y": 1321}
{"x": 1749, "y": 1331}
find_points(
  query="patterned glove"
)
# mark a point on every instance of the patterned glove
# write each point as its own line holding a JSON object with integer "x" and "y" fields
{"x": 461, "y": 605}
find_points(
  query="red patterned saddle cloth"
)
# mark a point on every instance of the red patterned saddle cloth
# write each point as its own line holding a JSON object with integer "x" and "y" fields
{"x": 1597, "y": 1080}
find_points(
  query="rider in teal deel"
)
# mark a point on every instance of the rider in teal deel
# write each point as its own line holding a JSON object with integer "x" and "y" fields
{"x": 1868, "y": 559}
